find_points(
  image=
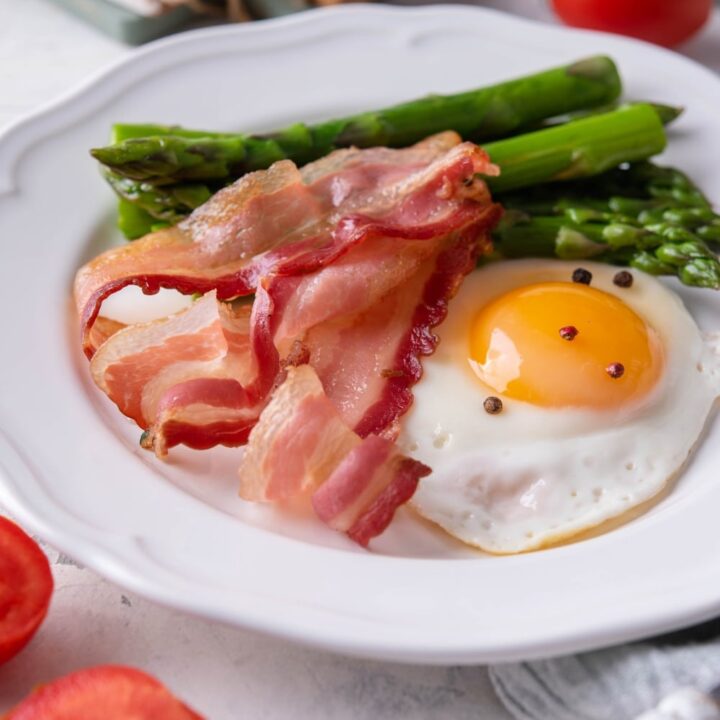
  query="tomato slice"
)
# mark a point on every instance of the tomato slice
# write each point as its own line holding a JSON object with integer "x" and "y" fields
{"x": 107, "y": 692}
{"x": 26, "y": 585}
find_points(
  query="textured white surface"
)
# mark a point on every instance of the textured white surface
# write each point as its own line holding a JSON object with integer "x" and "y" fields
{"x": 225, "y": 673}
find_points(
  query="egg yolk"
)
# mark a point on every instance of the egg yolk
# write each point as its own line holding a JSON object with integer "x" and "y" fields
{"x": 516, "y": 347}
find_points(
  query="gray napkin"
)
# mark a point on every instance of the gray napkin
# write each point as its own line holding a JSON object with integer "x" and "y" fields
{"x": 615, "y": 684}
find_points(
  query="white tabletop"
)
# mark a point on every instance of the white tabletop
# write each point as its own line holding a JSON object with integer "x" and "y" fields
{"x": 222, "y": 672}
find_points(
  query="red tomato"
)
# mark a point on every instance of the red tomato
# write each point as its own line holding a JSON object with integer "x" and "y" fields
{"x": 26, "y": 585}
{"x": 107, "y": 692}
{"x": 665, "y": 22}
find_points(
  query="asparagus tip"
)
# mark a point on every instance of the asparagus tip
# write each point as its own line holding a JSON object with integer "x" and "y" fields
{"x": 597, "y": 67}
{"x": 668, "y": 113}
{"x": 100, "y": 154}
{"x": 701, "y": 272}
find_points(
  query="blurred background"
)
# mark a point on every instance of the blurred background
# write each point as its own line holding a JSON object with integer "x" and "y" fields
{"x": 58, "y": 43}
{"x": 667, "y": 22}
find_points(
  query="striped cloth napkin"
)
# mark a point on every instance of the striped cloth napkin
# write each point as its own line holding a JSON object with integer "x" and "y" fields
{"x": 673, "y": 677}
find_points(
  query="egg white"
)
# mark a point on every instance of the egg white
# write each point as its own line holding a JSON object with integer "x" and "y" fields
{"x": 532, "y": 475}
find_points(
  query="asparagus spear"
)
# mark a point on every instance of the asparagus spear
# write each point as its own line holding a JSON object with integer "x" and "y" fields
{"x": 169, "y": 155}
{"x": 142, "y": 207}
{"x": 578, "y": 149}
{"x": 132, "y": 221}
{"x": 667, "y": 113}
{"x": 692, "y": 261}
{"x": 167, "y": 203}
{"x": 659, "y": 223}
{"x": 127, "y": 131}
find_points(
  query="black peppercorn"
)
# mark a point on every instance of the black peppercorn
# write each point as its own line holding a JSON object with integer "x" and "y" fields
{"x": 581, "y": 275}
{"x": 623, "y": 279}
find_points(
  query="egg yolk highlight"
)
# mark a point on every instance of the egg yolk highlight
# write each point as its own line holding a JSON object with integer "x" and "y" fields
{"x": 516, "y": 347}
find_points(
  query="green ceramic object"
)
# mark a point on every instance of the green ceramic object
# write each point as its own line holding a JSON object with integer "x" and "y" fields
{"x": 125, "y": 25}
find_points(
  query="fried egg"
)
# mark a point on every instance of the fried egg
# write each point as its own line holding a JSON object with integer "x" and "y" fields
{"x": 604, "y": 391}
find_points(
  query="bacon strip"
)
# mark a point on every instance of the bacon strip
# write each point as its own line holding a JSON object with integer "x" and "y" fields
{"x": 187, "y": 378}
{"x": 363, "y": 317}
{"x": 364, "y": 491}
{"x": 286, "y": 221}
{"x": 352, "y": 262}
{"x": 299, "y": 439}
{"x": 301, "y": 444}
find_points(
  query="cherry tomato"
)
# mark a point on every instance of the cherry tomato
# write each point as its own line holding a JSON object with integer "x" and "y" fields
{"x": 26, "y": 585}
{"x": 107, "y": 692}
{"x": 664, "y": 22}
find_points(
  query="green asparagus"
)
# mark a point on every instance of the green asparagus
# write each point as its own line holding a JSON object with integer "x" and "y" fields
{"x": 642, "y": 215}
{"x": 132, "y": 221}
{"x": 645, "y": 216}
{"x": 167, "y": 203}
{"x": 578, "y": 149}
{"x": 137, "y": 212}
{"x": 165, "y": 155}
{"x": 667, "y": 113}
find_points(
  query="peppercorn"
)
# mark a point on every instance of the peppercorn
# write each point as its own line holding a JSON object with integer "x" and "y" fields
{"x": 493, "y": 405}
{"x": 581, "y": 275}
{"x": 623, "y": 279}
{"x": 569, "y": 332}
{"x": 615, "y": 370}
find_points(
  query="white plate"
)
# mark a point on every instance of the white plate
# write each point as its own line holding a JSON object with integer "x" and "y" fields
{"x": 71, "y": 466}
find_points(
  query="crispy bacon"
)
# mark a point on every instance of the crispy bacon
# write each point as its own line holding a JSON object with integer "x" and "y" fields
{"x": 352, "y": 261}
{"x": 297, "y": 443}
{"x": 361, "y": 306}
{"x": 371, "y": 482}
{"x": 289, "y": 221}
{"x": 301, "y": 445}
{"x": 190, "y": 378}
